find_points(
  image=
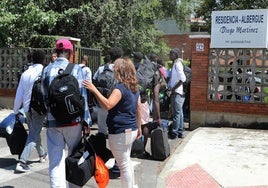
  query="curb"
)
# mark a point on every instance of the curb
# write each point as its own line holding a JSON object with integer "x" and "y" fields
{"x": 164, "y": 169}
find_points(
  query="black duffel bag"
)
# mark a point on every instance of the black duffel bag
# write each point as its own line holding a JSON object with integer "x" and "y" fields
{"x": 80, "y": 165}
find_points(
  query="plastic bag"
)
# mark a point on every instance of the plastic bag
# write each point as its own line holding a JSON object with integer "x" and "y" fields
{"x": 101, "y": 174}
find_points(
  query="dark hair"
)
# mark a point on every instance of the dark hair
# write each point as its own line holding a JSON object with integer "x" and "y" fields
{"x": 175, "y": 51}
{"x": 107, "y": 59}
{"x": 84, "y": 58}
{"x": 60, "y": 51}
{"x": 115, "y": 52}
{"x": 161, "y": 62}
{"x": 153, "y": 57}
{"x": 38, "y": 56}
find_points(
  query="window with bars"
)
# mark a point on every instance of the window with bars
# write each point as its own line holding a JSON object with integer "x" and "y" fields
{"x": 238, "y": 75}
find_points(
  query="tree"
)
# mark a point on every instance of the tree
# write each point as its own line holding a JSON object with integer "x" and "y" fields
{"x": 207, "y": 6}
{"x": 99, "y": 23}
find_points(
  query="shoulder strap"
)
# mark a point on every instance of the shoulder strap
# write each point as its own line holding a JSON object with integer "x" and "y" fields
{"x": 69, "y": 68}
{"x": 41, "y": 73}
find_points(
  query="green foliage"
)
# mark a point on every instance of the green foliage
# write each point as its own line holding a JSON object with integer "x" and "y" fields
{"x": 99, "y": 24}
{"x": 207, "y": 6}
{"x": 42, "y": 41}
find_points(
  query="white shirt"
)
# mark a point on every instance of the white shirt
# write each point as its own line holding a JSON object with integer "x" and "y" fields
{"x": 24, "y": 90}
{"x": 87, "y": 72}
{"x": 177, "y": 74}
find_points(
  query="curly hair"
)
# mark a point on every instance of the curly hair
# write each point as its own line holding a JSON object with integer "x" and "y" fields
{"x": 125, "y": 73}
{"x": 38, "y": 56}
{"x": 115, "y": 52}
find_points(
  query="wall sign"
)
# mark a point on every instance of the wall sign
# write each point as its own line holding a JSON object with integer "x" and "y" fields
{"x": 199, "y": 47}
{"x": 239, "y": 29}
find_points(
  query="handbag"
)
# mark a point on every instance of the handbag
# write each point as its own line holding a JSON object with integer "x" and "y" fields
{"x": 101, "y": 173}
{"x": 80, "y": 165}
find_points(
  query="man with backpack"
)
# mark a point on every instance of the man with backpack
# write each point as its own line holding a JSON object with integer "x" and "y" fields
{"x": 86, "y": 70}
{"x": 148, "y": 81}
{"x": 104, "y": 81}
{"x": 67, "y": 110}
{"x": 34, "y": 119}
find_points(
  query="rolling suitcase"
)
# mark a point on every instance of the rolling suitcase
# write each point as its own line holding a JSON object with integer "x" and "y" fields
{"x": 17, "y": 139}
{"x": 159, "y": 144}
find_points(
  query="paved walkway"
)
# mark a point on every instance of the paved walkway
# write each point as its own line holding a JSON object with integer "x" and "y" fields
{"x": 205, "y": 158}
{"x": 218, "y": 157}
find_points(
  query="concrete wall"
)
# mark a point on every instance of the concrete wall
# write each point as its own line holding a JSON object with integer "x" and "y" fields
{"x": 223, "y": 119}
{"x": 6, "y": 102}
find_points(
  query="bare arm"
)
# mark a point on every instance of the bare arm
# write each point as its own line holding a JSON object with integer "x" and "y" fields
{"x": 139, "y": 118}
{"x": 109, "y": 103}
{"x": 176, "y": 86}
{"x": 157, "y": 116}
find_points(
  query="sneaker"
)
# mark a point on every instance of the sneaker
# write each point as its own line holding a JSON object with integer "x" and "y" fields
{"x": 180, "y": 136}
{"x": 43, "y": 158}
{"x": 115, "y": 169}
{"x": 22, "y": 167}
{"x": 172, "y": 136}
{"x": 145, "y": 155}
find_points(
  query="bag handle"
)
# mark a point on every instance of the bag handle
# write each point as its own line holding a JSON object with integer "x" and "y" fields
{"x": 86, "y": 137}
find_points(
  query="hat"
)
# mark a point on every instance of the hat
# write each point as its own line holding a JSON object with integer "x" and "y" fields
{"x": 64, "y": 44}
{"x": 138, "y": 55}
{"x": 175, "y": 51}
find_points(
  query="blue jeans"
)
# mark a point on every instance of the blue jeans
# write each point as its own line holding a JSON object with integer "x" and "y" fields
{"x": 177, "y": 127}
{"x": 35, "y": 124}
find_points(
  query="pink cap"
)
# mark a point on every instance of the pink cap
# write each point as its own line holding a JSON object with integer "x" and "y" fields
{"x": 64, "y": 44}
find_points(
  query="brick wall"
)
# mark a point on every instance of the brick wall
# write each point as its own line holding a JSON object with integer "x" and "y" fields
{"x": 210, "y": 113}
{"x": 177, "y": 41}
{"x": 199, "y": 75}
{"x": 233, "y": 114}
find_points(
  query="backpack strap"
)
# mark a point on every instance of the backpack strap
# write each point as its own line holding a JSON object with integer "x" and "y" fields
{"x": 69, "y": 68}
{"x": 41, "y": 73}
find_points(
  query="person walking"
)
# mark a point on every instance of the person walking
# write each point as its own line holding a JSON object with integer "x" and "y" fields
{"x": 60, "y": 135}
{"x": 175, "y": 91}
{"x": 124, "y": 118}
{"x": 109, "y": 59}
{"x": 147, "y": 69}
{"x": 34, "y": 119}
{"x": 113, "y": 54}
{"x": 86, "y": 70}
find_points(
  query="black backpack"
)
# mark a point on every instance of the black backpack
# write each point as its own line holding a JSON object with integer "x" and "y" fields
{"x": 188, "y": 73}
{"x": 105, "y": 81}
{"x": 37, "y": 100}
{"x": 65, "y": 100}
{"x": 146, "y": 78}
